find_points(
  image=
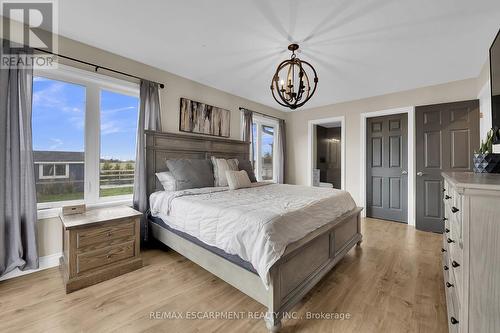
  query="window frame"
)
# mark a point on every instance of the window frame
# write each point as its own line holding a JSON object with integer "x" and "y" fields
{"x": 54, "y": 176}
{"x": 94, "y": 83}
{"x": 259, "y": 121}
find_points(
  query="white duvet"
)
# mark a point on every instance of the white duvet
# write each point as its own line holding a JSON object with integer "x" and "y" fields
{"x": 255, "y": 223}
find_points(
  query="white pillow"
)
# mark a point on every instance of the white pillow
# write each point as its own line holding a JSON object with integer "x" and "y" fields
{"x": 221, "y": 165}
{"x": 238, "y": 179}
{"x": 167, "y": 180}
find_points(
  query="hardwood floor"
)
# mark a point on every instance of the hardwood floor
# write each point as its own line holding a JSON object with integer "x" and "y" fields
{"x": 392, "y": 283}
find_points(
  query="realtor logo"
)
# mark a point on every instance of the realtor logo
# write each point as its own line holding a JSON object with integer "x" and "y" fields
{"x": 29, "y": 26}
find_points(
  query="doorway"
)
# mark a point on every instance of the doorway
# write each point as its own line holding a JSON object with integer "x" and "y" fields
{"x": 447, "y": 135}
{"x": 387, "y": 167}
{"x": 328, "y": 154}
{"x": 331, "y": 156}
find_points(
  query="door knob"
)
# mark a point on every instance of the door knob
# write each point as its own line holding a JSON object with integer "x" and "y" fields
{"x": 404, "y": 172}
{"x": 420, "y": 173}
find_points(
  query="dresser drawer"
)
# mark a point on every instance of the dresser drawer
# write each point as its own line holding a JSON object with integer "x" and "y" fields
{"x": 93, "y": 259}
{"x": 452, "y": 301}
{"x": 99, "y": 237}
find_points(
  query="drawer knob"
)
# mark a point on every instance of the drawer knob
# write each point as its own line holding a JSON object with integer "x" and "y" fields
{"x": 449, "y": 285}
{"x": 454, "y": 209}
{"x": 109, "y": 234}
{"x": 443, "y": 250}
{"x": 445, "y": 268}
{"x": 447, "y": 197}
{"x": 455, "y": 264}
{"x": 444, "y": 190}
{"x": 449, "y": 240}
{"x": 445, "y": 219}
{"x": 446, "y": 230}
{"x": 108, "y": 256}
{"x": 453, "y": 320}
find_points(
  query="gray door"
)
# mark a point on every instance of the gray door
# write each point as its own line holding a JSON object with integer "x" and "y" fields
{"x": 446, "y": 137}
{"x": 386, "y": 167}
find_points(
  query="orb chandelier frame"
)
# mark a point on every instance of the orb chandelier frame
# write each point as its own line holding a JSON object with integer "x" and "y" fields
{"x": 297, "y": 89}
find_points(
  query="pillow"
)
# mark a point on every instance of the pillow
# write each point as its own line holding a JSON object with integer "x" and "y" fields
{"x": 167, "y": 180}
{"x": 247, "y": 166}
{"x": 220, "y": 167}
{"x": 195, "y": 173}
{"x": 238, "y": 179}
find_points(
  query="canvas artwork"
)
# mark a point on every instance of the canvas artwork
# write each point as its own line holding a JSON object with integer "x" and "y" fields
{"x": 201, "y": 118}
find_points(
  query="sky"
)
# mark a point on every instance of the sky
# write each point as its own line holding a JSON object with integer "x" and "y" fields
{"x": 59, "y": 119}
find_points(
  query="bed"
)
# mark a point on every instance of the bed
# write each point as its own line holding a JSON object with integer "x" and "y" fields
{"x": 305, "y": 231}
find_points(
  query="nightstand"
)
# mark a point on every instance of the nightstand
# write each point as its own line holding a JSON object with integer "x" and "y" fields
{"x": 99, "y": 245}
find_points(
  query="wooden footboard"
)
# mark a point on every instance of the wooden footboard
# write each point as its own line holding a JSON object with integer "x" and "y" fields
{"x": 300, "y": 268}
{"x": 306, "y": 261}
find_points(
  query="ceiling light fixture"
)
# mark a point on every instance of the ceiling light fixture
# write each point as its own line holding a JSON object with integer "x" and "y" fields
{"x": 296, "y": 90}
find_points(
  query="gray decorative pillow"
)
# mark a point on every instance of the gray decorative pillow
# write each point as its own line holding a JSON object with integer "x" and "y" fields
{"x": 247, "y": 166}
{"x": 221, "y": 165}
{"x": 195, "y": 173}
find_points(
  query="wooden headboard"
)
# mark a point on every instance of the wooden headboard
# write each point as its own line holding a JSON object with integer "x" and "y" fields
{"x": 161, "y": 146}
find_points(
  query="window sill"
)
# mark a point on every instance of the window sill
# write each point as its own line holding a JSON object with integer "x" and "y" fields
{"x": 55, "y": 211}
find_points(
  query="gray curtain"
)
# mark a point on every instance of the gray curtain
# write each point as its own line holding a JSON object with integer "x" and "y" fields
{"x": 18, "y": 211}
{"x": 149, "y": 119}
{"x": 247, "y": 129}
{"x": 281, "y": 150}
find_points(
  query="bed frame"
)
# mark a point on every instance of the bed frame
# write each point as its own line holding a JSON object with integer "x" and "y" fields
{"x": 302, "y": 265}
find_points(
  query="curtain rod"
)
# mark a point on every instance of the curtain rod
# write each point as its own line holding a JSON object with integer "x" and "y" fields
{"x": 98, "y": 66}
{"x": 262, "y": 114}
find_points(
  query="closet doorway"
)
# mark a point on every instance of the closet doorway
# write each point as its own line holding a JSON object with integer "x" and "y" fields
{"x": 327, "y": 152}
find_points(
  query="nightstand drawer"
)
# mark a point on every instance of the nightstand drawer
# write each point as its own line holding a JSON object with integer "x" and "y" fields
{"x": 100, "y": 236}
{"x": 93, "y": 259}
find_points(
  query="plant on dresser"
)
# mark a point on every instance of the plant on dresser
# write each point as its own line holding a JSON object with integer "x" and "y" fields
{"x": 484, "y": 160}
{"x": 471, "y": 248}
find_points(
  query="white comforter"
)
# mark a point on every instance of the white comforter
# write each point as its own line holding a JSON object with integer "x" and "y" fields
{"x": 254, "y": 223}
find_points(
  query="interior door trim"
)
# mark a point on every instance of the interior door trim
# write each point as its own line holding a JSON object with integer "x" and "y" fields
{"x": 410, "y": 110}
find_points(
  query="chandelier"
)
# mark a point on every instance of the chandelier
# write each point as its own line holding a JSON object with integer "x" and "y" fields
{"x": 291, "y": 81}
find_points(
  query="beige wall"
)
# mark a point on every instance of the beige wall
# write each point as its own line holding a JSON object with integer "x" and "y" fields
{"x": 297, "y": 127}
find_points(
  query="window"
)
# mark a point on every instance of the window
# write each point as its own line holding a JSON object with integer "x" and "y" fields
{"x": 119, "y": 115}
{"x": 264, "y": 141}
{"x": 54, "y": 171}
{"x": 58, "y": 114}
{"x": 84, "y": 130}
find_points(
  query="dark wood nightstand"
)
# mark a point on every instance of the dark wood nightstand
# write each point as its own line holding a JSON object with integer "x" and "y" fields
{"x": 99, "y": 245}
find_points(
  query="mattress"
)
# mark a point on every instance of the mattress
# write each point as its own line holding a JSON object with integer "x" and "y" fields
{"x": 235, "y": 259}
{"x": 256, "y": 223}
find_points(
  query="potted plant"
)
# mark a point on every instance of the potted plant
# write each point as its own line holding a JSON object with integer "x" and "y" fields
{"x": 484, "y": 160}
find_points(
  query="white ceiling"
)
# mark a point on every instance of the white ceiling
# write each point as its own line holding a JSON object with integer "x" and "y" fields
{"x": 359, "y": 48}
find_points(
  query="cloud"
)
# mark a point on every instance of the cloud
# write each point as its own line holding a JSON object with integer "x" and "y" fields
{"x": 56, "y": 143}
{"x": 109, "y": 127}
{"x": 54, "y": 96}
{"x": 125, "y": 108}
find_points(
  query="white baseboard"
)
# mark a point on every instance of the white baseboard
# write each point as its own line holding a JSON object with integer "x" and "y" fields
{"x": 44, "y": 263}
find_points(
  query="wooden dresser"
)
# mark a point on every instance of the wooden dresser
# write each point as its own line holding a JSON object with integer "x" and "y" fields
{"x": 98, "y": 245}
{"x": 471, "y": 251}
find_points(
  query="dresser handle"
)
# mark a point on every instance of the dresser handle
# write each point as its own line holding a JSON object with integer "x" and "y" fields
{"x": 443, "y": 250}
{"x": 455, "y": 264}
{"x": 454, "y": 209}
{"x": 449, "y": 285}
{"x": 446, "y": 230}
{"x": 108, "y": 256}
{"x": 450, "y": 240}
{"x": 447, "y": 197}
{"x": 109, "y": 234}
{"x": 444, "y": 190}
{"x": 445, "y": 267}
{"x": 454, "y": 321}
{"x": 445, "y": 219}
